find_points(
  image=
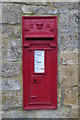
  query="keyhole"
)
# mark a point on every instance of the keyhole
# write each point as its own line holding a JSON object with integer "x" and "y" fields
{"x": 34, "y": 80}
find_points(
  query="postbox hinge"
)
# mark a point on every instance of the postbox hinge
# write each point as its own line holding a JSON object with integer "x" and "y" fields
{"x": 52, "y": 45}
{"x": 26, "y": 46}
{"x": 33, "y": 96}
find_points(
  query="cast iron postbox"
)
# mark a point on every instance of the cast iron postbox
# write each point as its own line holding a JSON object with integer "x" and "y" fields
{"x": 39, "y": 36}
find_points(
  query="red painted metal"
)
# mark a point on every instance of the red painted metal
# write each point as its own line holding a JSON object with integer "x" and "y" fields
{"x": 39, "y": 89}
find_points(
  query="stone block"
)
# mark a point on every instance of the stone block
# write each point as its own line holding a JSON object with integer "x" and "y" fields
{"x": 14, "y": 52}
{"x": 67, "y": 41}
{"x": 11, "y": 31}
{"x": 68, "y": 57}
{"x": 63, "y": 1}
{"x": 10, "y": 84}
{"x": 73, "y": 20}
{"x": 35, "y": 2}
{"x": 68, "y": 75}
{"x": 61, "y": 112}
{"x": 70, "y": 5}
{"x": 11, "y": 49}
{"x": 11, "y": 13}
{"x": 0, "y": 115}
{"x": 27, "y": 9}
{"x": 41, "y": 10}
{"x": 28, "y": 1}
{"x": 4, "y": 48}
{"x": 0, "y": 99}
{"x": 63, "y": 22}
{"x": 0, "y": 12}
{"x": 59, "y": 96}
{"x": 0, "y": 71}
{"x": 0, "y": 85}
{"x": 73, "y": 5}
{"x": 10, "y": 69}
{"x": 75, "y": 112}
{"x": 11, "y": 99}
{"x": 70, "y": 96}
{"x": 18, "y": 114}
{"x": 66, "y": 20}
{"x": 63, "y": 9}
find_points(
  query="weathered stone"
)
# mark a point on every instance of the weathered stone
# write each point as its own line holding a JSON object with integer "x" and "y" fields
{"x": 70, "y": 96}
{"x": 63, "y": 1}
{"x": 26, "y": 9}
{"x": 68, "y": 57}
{"x": 10, "y": 31}
{"x": 10, "y": 69}
{"x": 61, "y": 112}
{"x": 9, "y": 0}
{"x": 73, "y": 20}
{"x": 63, "y": 9}
{"x": 0, "y": 12}
{"x": 67, "y": 41}
{"x": 59, "y": 96}
{"x": 0, "y": 70}
{"x": 0, "y": 98}
{"x": 4, "y": 47}
{"x": 10, "y": 84}
{"x": 36, "y": 2}
{"x": 63, "y": 22}
{"x": 66, "y": 18}
{"x": 11, "y": 99}
{"x": 39, "y": 10}
{"x": 11, "y": 13}
{"x": 53, "y": 12}
{"x": 13, "y": 50}
{"x": 73, "y": 5}
{"x": 0, "y": 85}
{"x": 28, "y": 1}
{"x": 52, "y": 1}
{"x": 10, "y": 48}
{"x": 0, "y": 44}
{"x": 75, "y": 112}
{"x": 0, "y": 115}
{"x": 0, "y": 103}
{"x": 19, "y": 114}
{"x": 68, "y": 75}
{"x": 62, "y": 6}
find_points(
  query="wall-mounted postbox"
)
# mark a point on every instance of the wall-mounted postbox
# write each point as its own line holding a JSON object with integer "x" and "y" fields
{"x": 39, "y": 35}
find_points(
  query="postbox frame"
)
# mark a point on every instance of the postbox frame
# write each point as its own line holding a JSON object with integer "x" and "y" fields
{"x": 26, "y": 104}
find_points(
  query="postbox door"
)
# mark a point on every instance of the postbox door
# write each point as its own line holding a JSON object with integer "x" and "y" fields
{"x": 40, "y": 62}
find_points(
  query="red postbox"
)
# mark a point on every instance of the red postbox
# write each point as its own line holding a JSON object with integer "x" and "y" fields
{"x": 39, "y": 35}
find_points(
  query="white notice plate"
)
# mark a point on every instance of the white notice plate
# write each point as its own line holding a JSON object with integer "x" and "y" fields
{"x": 39, "y": 61}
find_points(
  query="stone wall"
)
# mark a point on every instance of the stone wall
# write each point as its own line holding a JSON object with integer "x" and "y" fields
{"x": 12, "y": 82}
